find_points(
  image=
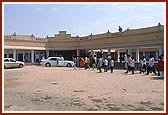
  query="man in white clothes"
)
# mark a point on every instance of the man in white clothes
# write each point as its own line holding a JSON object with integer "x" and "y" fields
{"x": 151, "y": 65}
{"x": 126, "y": 61}
{"x": 105, "y": 65}
{"x": 100, "y": 63}
{"x": 132, "y": 65}
{"x": 111, "y": 64}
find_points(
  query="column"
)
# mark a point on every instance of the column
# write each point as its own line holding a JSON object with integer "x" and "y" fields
{"x": 102, "y": 52}
{"x": 14, "y": 54}
{"x": 77, "y": 52}
{"x": 156, "y": 55}
{"x": 47, "y": 53}
{"x": 7, "y": 55}
{"x": 129, "y": 52}
{"x": 118, "y": 51}
{"x": 143, "y": 53}
{"x": 78, "y": 57}
{"x": 160, "y": 50}
{"x": 24, "y": 56}
{"x": 32, "y": 56}
{"x": 92, "y": 53}
{"x": 137, "y": 55}
{"x": 39, "y": 57}
{"x": 109, "y": 51}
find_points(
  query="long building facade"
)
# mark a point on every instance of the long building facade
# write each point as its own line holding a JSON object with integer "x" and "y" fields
{"x": 136, "y": 42}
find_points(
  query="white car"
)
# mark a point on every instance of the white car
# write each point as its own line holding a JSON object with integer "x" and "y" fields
{"x": 12, "y": 63}
{"x": 56, "y": 61}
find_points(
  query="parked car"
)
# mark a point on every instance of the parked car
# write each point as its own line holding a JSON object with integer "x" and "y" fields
{"x": 12, "y": 63}
{"x": 56, "y": 61}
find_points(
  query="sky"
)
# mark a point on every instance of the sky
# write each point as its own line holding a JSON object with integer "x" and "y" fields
{"x": 80, "y": 19}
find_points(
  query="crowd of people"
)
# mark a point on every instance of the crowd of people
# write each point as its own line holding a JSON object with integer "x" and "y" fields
{"x": 107, "y": 63}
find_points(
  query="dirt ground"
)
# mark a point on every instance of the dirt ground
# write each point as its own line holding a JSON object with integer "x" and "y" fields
{"x": 37, "y": 88}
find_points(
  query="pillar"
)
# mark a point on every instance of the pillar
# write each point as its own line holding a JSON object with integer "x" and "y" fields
{"x": 160, "y": 50}
{"x": 39, "y": 57}
{"x": 118, "y": 51}
{"x": 14, "y": 54}
{"x": 77, "y": 52}
{"x": 101, "y": 50}
{"x": 32, "y": 56}
{"x": 47, "y": 53}
{"x": 7, "y": 55}
{"x": 143, "y": 53}
{"x": 78, "y": 57}
{"x": 92, "y": 53}
{"x": 109, "y": 51}
{"x": 129, "y": 52}
{"x": 24, "y": 56}
{"x": 156, "y": 55}
{"x": 137, "y": 55}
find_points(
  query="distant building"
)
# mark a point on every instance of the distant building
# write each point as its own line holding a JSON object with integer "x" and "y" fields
{"x": 136, "y": 42}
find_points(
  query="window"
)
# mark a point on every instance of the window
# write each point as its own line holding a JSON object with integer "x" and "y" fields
{"x": 6, "y": 60}
{"x": 12, "y": 60}
{"x": 59, "y": 59}
{"x": 53, "y": 59}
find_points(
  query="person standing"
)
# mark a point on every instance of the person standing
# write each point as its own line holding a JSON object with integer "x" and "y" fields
{"x": 112, "y": 64}
{"x": 75, "y": 61}
{"x": 105, "y": 65}
{"x": 132, "y": 64}
{"x": 141, "y": 65}
{"x": 126, "y": 61}
{"x": 129, "y": 64}
{"x": 109, "y": 59}
{"x": 94, "y": 63}
{"x": 100, "y": 63}
{"x": 151, "y": 65}
{"x": 161, "y": 67}
{"x": 86, "y": 62}
{"x": 144, "y": 64}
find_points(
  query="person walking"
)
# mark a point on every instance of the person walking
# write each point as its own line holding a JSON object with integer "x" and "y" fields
{"x": 100, "y": 63}
{"x": 105, "y": 65}
{"x": 112, "y": 64}
{"x": 86, "y": 62}
{"x": 161, "y": 66}
{"x": 144, "y": 64}
{"x": 75, "y": 63}
{"x": 94, "y": 63}
{"x": 151, "y": 65}
{"x": 129, "y": 64}
{"x": 140, "y": 65}
{"x": 109, "y": 59}
{"x": 132, "y": 64}
{"x": 126, "y": 61}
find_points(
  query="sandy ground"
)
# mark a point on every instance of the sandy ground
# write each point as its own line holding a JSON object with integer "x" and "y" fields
{"x": 37, "y": 88}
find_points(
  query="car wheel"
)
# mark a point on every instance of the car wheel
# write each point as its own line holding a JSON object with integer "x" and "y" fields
{"x": 21, "y": 65}
{"x": 69, "y": 65}
{"x": 48, "y": 65}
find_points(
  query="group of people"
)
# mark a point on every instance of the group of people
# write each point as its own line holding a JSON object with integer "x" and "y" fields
{"x": 144, "y": 67}
{"x": 97, "y": 61}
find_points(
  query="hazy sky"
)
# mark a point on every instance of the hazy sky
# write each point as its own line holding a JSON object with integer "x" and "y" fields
{"x": 79, "y": 18}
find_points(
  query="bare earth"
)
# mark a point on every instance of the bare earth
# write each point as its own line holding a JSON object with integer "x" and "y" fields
{"x": 37, "y": 88}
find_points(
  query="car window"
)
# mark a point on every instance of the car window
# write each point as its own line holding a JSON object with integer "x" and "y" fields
{"x": 53, "y": 59}
{"x": 59, "y": 59}
{"x": 12, "y": 60}
{"x": 6, "y": 60}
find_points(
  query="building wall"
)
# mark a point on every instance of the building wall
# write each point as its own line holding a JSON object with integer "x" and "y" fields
{"x": 149, "y": 39}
